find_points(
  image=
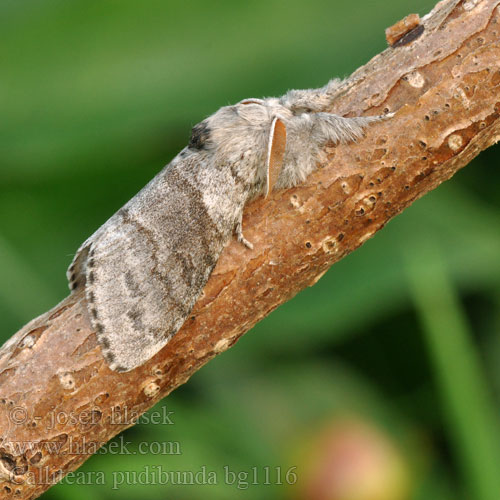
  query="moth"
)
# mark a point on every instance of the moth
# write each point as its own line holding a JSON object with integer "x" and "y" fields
{"x": 144, "y": 269}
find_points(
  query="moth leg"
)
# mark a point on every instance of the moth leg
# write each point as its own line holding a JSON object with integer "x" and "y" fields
{"x": 312, "y": 100}
{"x": 337, "y": 128}
{"x": 238, "y": 229}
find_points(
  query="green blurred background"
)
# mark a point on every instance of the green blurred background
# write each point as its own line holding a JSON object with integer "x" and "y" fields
{"x": 389, "y": 366}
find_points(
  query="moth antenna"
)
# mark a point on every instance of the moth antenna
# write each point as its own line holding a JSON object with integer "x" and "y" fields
{"x": 275, "y": 153}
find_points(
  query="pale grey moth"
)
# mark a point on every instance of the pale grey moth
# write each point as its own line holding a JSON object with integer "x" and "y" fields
{"x": 144, "y": 269}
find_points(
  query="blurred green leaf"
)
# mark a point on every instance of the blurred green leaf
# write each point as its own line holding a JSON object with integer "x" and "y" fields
{"x": 471, "y": 415}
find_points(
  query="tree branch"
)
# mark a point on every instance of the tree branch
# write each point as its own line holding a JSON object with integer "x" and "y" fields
{"x": 442, "y": 80}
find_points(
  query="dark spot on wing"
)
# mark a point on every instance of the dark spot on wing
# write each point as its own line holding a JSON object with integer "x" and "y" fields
{"x": 110, "y": 357}
{"x": 132, "y": 284}
{"x": 200, "y": 135}
{"x": 123, "y": 212}
{"x": 135, "y": 315}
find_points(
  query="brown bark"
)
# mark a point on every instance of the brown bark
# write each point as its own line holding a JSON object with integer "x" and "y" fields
{"x": 442, "y": 82}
